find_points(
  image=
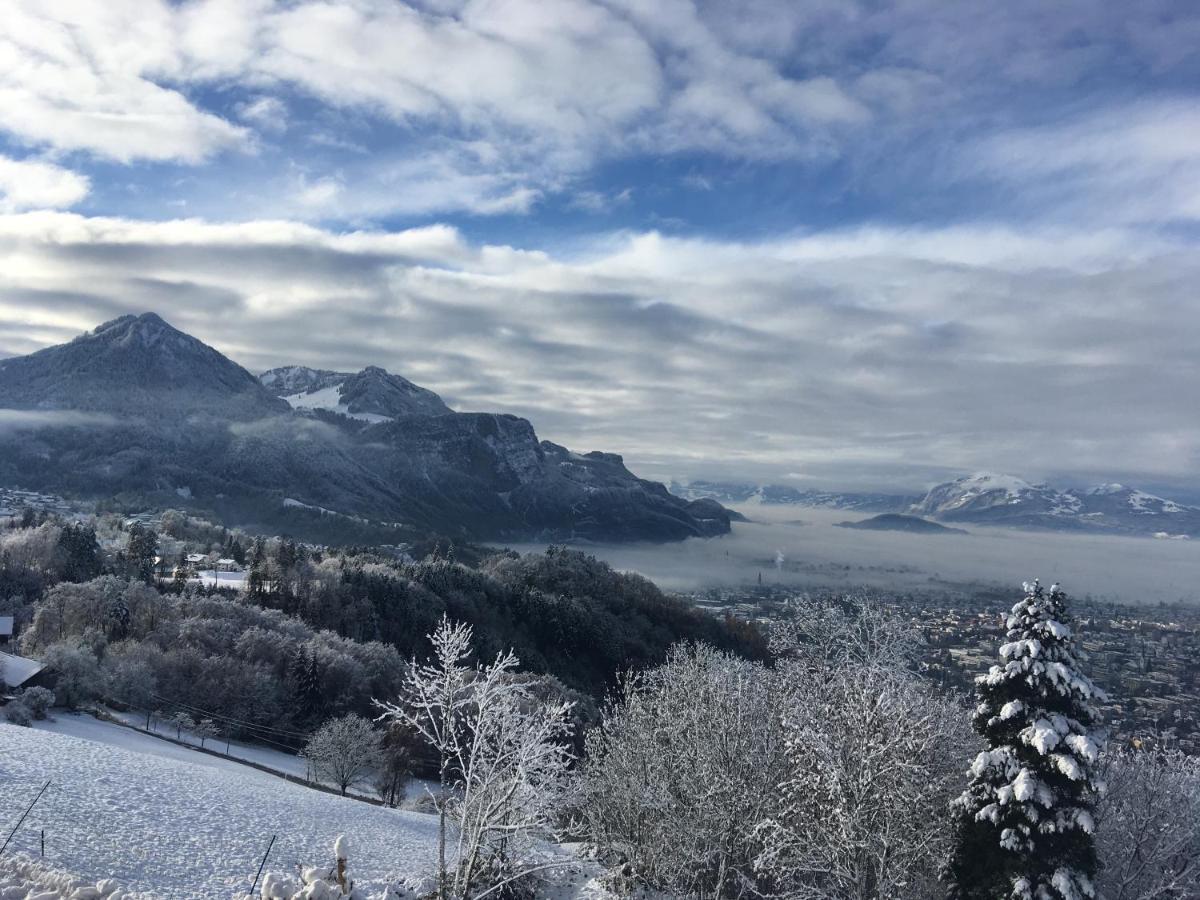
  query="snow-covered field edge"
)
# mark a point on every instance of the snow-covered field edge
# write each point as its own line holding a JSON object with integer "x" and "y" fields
{"x": 139, "y": 817}
{"x": 23, "y": 878}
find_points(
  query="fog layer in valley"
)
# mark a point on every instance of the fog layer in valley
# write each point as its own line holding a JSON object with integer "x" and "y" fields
{"x": 805, "y": 548}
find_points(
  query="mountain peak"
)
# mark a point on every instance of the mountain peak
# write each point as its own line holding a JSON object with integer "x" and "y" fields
{"x": 372, "y": 394}
{"x": 129, "y": 366}
{"x": 994, "y": 481}
{"x": 147, "y": 320}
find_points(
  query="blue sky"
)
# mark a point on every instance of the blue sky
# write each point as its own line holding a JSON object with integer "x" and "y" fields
{"x": 839, "y": 243}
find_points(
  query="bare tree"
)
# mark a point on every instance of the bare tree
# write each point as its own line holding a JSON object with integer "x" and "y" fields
{"x": 395, "y": 766}
{"x": 344, "y": 751}
{"x": 181, "y": 721}
{"x": 684, "y": 767}
{"x": 503, "y": 757}
{"x": 206, "y": 730}
{"x": 874, "y": 757}
{"x": 1148, "y": 832}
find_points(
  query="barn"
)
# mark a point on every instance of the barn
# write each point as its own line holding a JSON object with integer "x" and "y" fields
{"x": 18, "y": 673}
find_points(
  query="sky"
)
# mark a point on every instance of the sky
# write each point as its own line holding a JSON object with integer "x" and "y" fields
{"x": 828, "y": 244}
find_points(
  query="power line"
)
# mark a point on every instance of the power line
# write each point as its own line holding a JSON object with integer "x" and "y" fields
{"x": 252, "y": 725}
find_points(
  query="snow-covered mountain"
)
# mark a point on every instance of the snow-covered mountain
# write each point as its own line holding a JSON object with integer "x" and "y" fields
{"x": 990, "y": 499}
{"x": 987, "y": 498}
{"x": 134, "y": 365}
{"x": 782, "y": 494}
{"x": 287, "y": 380}
{"x": 372, "y": 395}
{"x": 988, "y": 495}
{"x": 169, "y": 417}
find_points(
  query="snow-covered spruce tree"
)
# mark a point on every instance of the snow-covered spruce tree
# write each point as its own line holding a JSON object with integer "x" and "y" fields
{"x": 1025, "y": 821}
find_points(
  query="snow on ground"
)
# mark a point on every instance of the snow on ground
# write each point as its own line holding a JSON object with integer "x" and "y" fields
{"x": 177, "y": 828}
{"x": 90, "y": 728}
{"x": 330, "y": 398}
{"x": 24, "y": 878}
{"x": 211, "y": 578}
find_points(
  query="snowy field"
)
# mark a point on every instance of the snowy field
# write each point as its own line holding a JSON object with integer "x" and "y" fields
{"x": 164, "y": 821}
{"x": 170, "y": 823}
{"x": 211, "y": 578}
{"x": 90, "y": 728}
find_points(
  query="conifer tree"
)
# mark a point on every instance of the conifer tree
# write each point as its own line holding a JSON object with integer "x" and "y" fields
{"x": 1025, "y": 822}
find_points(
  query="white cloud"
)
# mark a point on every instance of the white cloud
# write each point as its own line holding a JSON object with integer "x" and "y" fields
{"x": 488, "y": 106}
{"x": 31, "y": 419}
{"x": 81, "y": 76}
{"x": 33, "y": 184}
{"x": 551, "y": 87}
{"x": 266, "y": 113}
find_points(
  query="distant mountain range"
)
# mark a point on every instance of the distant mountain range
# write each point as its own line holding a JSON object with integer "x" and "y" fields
{"x": 138, "y": 408}
{"x": 989, "y": 499}
{"x": 782, "y": 494}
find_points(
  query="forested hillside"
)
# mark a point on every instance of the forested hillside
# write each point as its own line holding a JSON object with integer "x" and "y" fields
{"x": 319, "y": 632}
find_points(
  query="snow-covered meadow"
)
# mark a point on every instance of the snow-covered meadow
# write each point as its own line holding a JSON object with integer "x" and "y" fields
{"x": 214, "y": 578}
{"x": 168, "y": 826}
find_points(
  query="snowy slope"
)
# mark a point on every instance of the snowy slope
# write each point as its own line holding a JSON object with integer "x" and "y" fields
{"x": 89, "y": 728}
{"x": 330, "y": 398}
{"x": 175, "y": 829}
{"x": 25, "y": 878}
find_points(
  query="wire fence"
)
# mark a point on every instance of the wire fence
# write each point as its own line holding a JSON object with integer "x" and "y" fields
{"x": 56, "y": 828}
{"x": 66, "y": 836}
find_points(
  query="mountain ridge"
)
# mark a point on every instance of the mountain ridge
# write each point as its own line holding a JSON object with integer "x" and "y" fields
{"x": 184, "y": 422}
{"x": 988, "y": 498}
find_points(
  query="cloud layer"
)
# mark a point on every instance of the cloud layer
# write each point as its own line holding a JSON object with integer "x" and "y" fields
{"x": 867, "y": 356}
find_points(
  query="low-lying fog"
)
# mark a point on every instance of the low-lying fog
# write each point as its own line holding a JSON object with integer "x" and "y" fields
{"x": 803, "y": 547}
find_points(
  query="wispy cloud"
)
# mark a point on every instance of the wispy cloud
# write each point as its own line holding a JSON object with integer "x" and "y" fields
{"x": 490, "y": 107}
{"x": 1138, "y": 162}
{"x": 30, "y": 419}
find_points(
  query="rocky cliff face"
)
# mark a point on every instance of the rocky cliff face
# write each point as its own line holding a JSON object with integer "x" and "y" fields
{"x": 177, "y": 414}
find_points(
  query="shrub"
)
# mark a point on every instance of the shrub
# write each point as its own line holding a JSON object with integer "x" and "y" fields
{"x": 38, "y": 700}
{"x": 18, "y": 713}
